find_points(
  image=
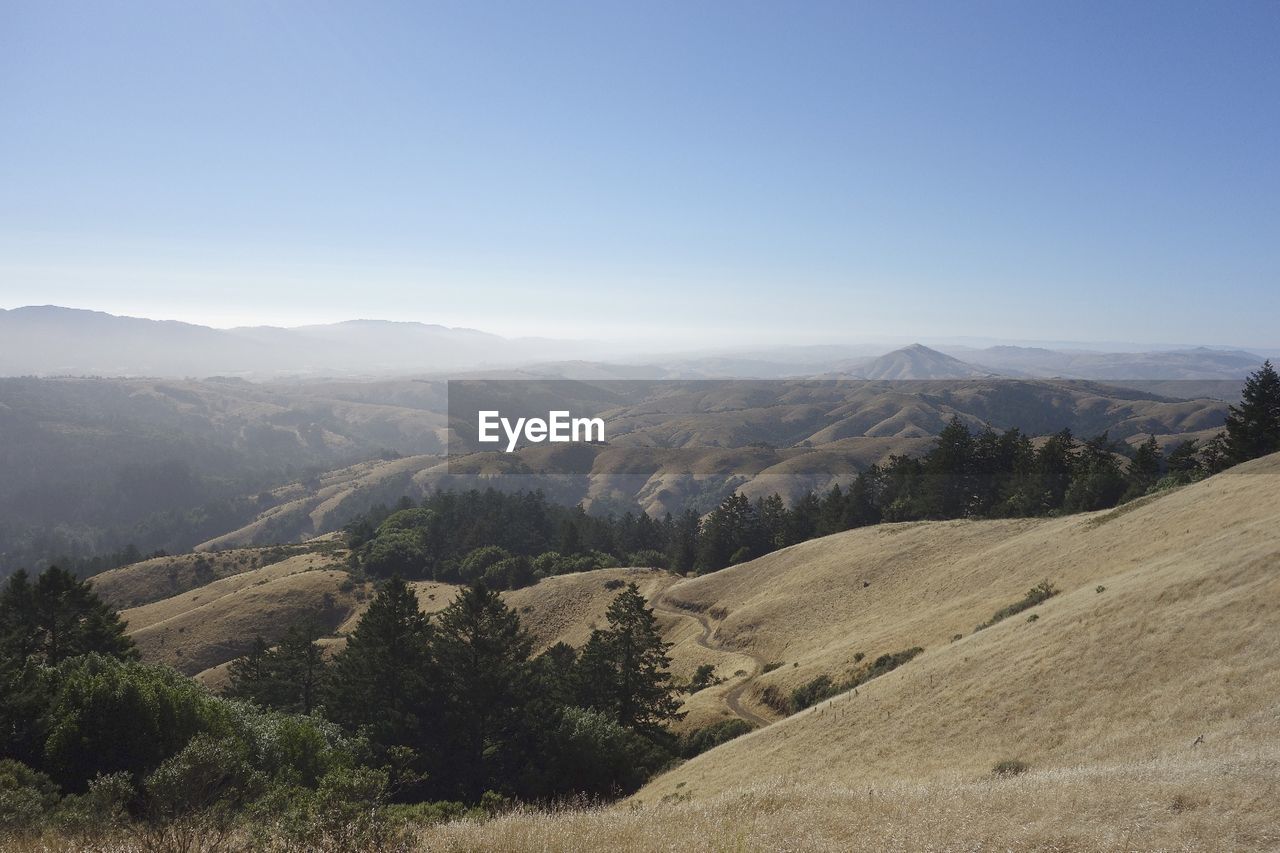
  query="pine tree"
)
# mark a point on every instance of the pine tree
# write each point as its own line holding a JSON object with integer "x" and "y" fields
{"x": 1144, "y": 470}
{"x": 289, "y": 677}
{"x": 487, "y": 687}
{"x": 1184, "y": 461}
{"x": 1096, "y": 480}
{"x": 948, "y": 469}
{"x": 1053, "y": 466}
{"x": 251, "y": 675}
{"x": 383, "y": 680}
{"x": 1253, "y": 428}
{"x": 684, "y": 541}
{"x": 58, "y": 617}
{"x": 624, "y": 668}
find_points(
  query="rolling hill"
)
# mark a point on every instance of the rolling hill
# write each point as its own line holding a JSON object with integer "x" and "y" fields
{"x": 1143, "y": 695}
{"x": 1144, "y": 692}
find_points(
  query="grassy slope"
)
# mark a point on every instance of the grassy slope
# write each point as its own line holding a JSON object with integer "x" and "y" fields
{"x": 1185, "y": 640}
{"x": 212, "y": 624}
{"x": 1104, "y": 694}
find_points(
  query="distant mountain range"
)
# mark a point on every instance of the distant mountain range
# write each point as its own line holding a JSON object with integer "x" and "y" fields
{"x": 49, "y": 340}
{"x": 54, "y": 341}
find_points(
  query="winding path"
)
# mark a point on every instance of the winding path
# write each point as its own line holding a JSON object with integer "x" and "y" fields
{"x": 732, "y": 696}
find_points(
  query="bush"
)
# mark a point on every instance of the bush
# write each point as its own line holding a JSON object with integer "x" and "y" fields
{"x": 345, "y": 812}
{"x": 102, "y": 808}
{"x": 594, "y": 755}
{"x": 511, "y": 573}
{"x": 477, "y": 562}
{"x": 771, "y": 666}
{"x": 1039, "y": 593}
{"x": 699, "y": 741}
{"x": 1010, "y": 767}
{"x": 210, "y": 775}
{"x": 109, "y": 716}
{"x": 704, "y": 677}
{"x": 26, "y": 796}
{"x": 648, "y": 558}
{"x": 823, "y": 687}
{"x": 813, "y": 692}
{"x": 394, "y": 552}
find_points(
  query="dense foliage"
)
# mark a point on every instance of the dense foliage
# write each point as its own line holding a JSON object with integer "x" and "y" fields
{"x": 448, "y": 709}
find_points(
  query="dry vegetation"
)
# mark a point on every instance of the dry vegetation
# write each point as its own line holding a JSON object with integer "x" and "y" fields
{"x": 207, "y": 626}
{"x": 1219, "y": 802}
{"x": 1166, "y": 629}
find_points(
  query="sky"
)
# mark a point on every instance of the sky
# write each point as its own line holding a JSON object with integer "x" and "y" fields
{"x": 688, "y": 173}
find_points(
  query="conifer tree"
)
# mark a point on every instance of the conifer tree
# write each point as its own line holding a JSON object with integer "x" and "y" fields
{"x": 1184, "y": 461}
{"x": 1253, "y": 427}
{"x": 487, "y": 686}
{"x": 58, "y": 617}
{"x": 383, "y": 680}
{"x": 624, "y": 668}
{"x": 1144, "y": 470}
{"x": 289, "y": 677}
{"x": 948, "y": 492}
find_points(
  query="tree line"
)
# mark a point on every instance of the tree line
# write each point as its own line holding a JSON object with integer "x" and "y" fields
{"x": 511, "y": 540}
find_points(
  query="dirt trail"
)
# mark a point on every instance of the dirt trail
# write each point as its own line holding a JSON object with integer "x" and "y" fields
{"x": 732, "y": 696}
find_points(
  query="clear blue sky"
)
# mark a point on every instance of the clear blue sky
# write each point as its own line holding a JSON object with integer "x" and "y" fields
{"x": 694, "y": 171}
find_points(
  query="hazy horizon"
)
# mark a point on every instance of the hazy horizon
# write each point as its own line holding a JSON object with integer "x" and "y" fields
{"x": 632, "y": 347}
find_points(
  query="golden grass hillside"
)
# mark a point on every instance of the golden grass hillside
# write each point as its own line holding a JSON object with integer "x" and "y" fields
{"x": 1145, "y": 697}
{"x": 213, "y": 624}
{"x": 1182, "y": 640}
{"x": 164, "y": 577}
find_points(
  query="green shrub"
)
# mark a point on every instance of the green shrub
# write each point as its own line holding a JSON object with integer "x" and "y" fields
{"x": 109, "y": 716}
{"x": 771, "y": 666}
{"x": 103, "y": 807}
{"x": 823, "y": 687}
{"x": 700, "y": 740}
{"x": 1039, "y": 593}
{"x": 648, "y": 558}
{"x": 812, "y": 692}
{"x": 394, "y": 552}
{"x": 602, "y": 757}
{"x": 26, "y": 796}
{"x": 211, "y": 775}
{"x": 477, "y": 562}
{"x": 704, "y": 677}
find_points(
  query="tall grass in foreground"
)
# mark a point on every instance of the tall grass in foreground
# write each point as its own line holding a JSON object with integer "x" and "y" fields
{"x": 1192, "y": 803}
{"x": 1225, "y": 804}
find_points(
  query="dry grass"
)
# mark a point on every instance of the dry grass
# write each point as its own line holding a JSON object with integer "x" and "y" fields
{"x": 199, "y": 630}
{"x": 1224, "y": 803}
{"x": 164, "y": 577}
{"x": 1170, "y": 566}
{"x": 566, "y": 608}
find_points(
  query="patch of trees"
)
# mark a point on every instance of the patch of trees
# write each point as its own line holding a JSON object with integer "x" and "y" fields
{"x": 435, "y": 713}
